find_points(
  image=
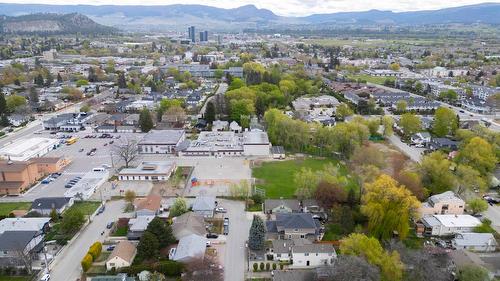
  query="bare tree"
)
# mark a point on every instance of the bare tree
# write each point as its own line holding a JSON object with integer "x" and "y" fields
{"x": 25, "y": 258}
{"x": 349, "y": 268}
{"x": 203, "y": 269}
{"x": 127, "y": 151}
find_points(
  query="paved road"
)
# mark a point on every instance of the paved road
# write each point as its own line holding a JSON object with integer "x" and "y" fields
{"x": 66, "y": 266}
{"x": 239, "y": 226}
{"x": 493, "y": 214}
{"x": 414, "y": 153}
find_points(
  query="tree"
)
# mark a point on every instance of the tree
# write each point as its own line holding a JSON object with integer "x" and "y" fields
{"x": 401, "y": 105}
{"x": 85, "y": 108}
{"x": 3, "y": 104}
{"x": 394, "y": 66}
{"x": 59, "y": 78}
{"x": 122, "y": 82}
{"x": 86, "y": 262}
{"x": 478, "y": 153}
{"x": 343, "y": 111}
{"x": 145, "y": 121}
{"x": 436, "y": 173}
{"x": 72, "y": 221}
{"x": 130, "y": 196}
{"x": 156, "y": 276}
{"x": 257, "y": 236}
{"x": 388, "y": 207}
{"x": 127, "y": 151}
{"x": 179, "y": 207}
{"x": 388, "y": 123}
{"x": 349, "y": 268}
{"x": 477, "y": 205}
{"x": 368, "y": 247}
{"x": 39, "y": 80}
{"x": 210, "y": 112}
{"x": 410, "y": 123}
{"x": 468, "y": 178}
{"x": 148, "y": 247}
{"x": 236, "y": 84}
{"x": 203, "y": 270}
{"x": 54, "y": 216}
{"x": 306, "y": 181}
{"x": 162, "y": 231}
{"x": 473, "y": 273}
{"x": 368, "y": 155}
{"x": 14, "y": 101}
{"x": 445, "y": 122}
{"x": 328, "y": 194}
{"x": 82, "y": 82}
{"x": 33, "y": 95}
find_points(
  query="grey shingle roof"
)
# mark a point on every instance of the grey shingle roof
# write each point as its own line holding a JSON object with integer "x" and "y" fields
{"x": 15, "y": 240}
{"x": 49, "y": 203}
{"x": 298, "y": 220}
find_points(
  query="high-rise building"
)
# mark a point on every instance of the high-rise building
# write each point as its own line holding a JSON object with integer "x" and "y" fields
{"x": 204, "y": 36}
{"x": 192, "y": 33}
{"x": 219, "y": 39}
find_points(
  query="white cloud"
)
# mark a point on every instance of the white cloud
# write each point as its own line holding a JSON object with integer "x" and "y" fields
{"x": 287, "y": 7}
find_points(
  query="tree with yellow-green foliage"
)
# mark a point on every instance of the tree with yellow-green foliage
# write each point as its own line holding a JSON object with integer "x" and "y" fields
{"x": 478, "y": 153}
{"x": 360, "y": 245}
{"x": 435, "y": 169}
{"x": 86, "y": 262}
{"x": 389, "y": 207}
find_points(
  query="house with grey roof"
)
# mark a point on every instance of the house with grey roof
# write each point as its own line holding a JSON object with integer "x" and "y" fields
{"x": 45, "y": 205}
{"x": 204, "y": 206}
{"x": 312, "y": 255}
{"x": 13, "y": 243}
{"x": 188, "y": 223}
{"x": 118, "y": 277}
{"x": 273, "y": 206}
{"x": 294, "y": 226}
{"x": 190, "y": 247}
{"x": 161, "y": 141}
{"x": 443, "y": 203}
{"x": 480, "y": 242}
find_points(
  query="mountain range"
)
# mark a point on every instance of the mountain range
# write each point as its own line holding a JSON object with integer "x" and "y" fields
{"x": 178, "y": 17}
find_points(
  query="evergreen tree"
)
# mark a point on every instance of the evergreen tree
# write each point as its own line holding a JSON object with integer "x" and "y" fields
{"x": 145, "y": 121}
{"x": 3, "y": 104}
{"x": 49, "y": 80}
{"x": 148, "y": 247}
{"x": 210, "y": 112}
{"x": 122, "y": 82}
{"x": 39, "y": 80}
{"x": 59, "y": 78}
{"x": 4, "y": 121}
{"x": 92, "y": 77}
{"x": 257, "y": 237}
{"x": 33, "y": 95}
{"x": 351, "y": 198}
{"x": 162, "y": 231}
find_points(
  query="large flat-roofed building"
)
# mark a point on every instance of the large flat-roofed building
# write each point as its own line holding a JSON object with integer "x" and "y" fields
{"x": 148, "y": 171}
{"x": 25, "y": 149}
{"x": 228, "y": 143}
{"x": 161, "y": 141}
{"x": 442, "y": 225}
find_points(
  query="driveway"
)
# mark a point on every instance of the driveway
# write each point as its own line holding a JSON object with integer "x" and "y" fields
{"x": 66, "y": 266}
{"x": 234, "y": 253}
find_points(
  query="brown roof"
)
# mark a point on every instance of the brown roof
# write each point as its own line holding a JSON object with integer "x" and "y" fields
{"x": 11, "y": 184}
{"x": 13, "y": 166}
{"x": 151, "y": 202}
{"x": 53, "y": 160}
{"x": 124, "y": 250}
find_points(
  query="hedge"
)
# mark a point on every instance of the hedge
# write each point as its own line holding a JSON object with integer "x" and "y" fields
{"x": 255, "y": 267}
{"x": 86, "y": 262}
{"x": 261, "y": 266}
{"x": 95, "y": 250}
{"x": 168, "y": 268}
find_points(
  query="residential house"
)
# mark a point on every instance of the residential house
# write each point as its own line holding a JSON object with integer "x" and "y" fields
{"x": 219, "y": 125}
{"x": 278, "y": 152}
{"x": 233, "y": 126}
{"x": 188, "y": 223}
{"x": 312, "y": 206}
{"x": 190, "y": 247}
{"x": 281, "y": 249}
{"x": 68, "y": 122}
{"x": 17, "y": 120}
{"x": 293, "y": 226}
{"x": 204, "y": 206}
{"x": 137, "y": 226}
{"x": 122, "y": 256}
{"x": 312, "y": 255}
{"x": 161, "y": 141}
{"x": 273, "y": 206}
{"x": 14, "y": 245}
{"x": 118, "y": 277}
{"x": 442, "y": 204}
{"x": 147, "y": 206}
{"x": 443, "y": 225}
{"x": 40, "y": 225}
{"x": 480, "y": 242}
{"x": 148, "y": 171}
{"x": 443, "y": 143}
{"x": 45, "y": 205}
{"x": 422, "y": 138}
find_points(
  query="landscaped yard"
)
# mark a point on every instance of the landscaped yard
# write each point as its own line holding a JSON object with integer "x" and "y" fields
{"x": 14, "y": 278}
{"x": 277, "y": 178}
{"x": 120, "y": 231}
{"x": 7, "y": 207}
{"x": 86, "y": 207}
{"x": 371, "y": 79}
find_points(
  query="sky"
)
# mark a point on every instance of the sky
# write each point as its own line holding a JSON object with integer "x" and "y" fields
{"x": 286, "y": 7}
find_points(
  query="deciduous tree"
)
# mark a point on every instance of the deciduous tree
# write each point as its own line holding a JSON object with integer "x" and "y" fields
{"x": 445, "y": 122}
{"x": 179, "y": 207}
{"x": 478, "y": 153}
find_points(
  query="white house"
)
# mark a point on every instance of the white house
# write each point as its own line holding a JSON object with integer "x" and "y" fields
{"x": 161, "y": 141}
{"x": 442, "y": 225}
{"x": 122, "y": 256}
{"x": 481, "y": 242}
{"x": 312, "y": 255}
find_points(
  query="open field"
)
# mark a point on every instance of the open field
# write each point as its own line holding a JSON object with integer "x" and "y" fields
{"x": 7, "y": 207}
{"x": 86, "y": 207}
{"x": 277, "y": 178}
{"x": 371, "y": 79}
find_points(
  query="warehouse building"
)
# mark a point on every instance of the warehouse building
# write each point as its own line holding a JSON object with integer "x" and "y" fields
{"x": 161, "y": 141}
{"x": 25, "y": 149}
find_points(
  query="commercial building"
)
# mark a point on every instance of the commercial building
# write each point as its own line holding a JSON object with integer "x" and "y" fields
{"x": 25, "y": 149}
{"x": 204, "y": 36}
{"x": 480, "y": 242}
{"x": 442, "y": 225}
{"x": 148, "y": 171}
{"x": 87, "y": 186}
{"x": 161, "y": 141}
{"x": 192, "y": 33}
{"x": 68, "y": 122}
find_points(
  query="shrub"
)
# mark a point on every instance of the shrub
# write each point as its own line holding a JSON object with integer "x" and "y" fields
{"x": 169, "y": 268}
{"x": 281, "y": 266}
{"x": 274, "y": 266}
{"x": 255, "y": 267}
{"x": 86, "y": 262}
{"x": 268, "y": 266}
{"x": 95, "y": 250}
{"x": 261, "y": 266}
{"x": 257, "y": 198}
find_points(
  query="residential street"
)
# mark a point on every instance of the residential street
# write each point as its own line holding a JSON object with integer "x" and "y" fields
{"x": 66, "y": 266}
{"x": 239, "y": 226}
{"x": 493, "y": 214}
{"x": 414, "y": 153}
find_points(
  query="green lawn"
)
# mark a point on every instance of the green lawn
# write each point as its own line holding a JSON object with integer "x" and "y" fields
{"x": 86, "y": 207}
{"x": 371, "y": 79}
{"x": 7, "y": 207}
{"x": 120, "y": 231}
{"x": 277, "y": 178}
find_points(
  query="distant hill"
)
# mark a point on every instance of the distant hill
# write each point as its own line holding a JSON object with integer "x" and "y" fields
{"x": 50, "y": 23}
{"x": 247, "y": 17}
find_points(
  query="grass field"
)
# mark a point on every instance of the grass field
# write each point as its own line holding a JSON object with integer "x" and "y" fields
{"x": 371, "y": 79}
{"x": 14, "y": 278}
{"x": 86, "y": 207}
{"x": 7, "y": 207}
{"x": 277, "y": 178}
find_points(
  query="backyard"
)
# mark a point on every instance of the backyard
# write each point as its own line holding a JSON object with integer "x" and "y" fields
{"x": 7, "y": 207}
{"x": 14, "y": 278}
{"x": 371, "y": 79}
{"x": 85, "y": 207}
{"x": 277, "y": 178}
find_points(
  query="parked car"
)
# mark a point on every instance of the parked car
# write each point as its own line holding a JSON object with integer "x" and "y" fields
{"x": 69, "y": 185}
{"x": 226, "y": 221}
{"x": 46, "y": 180}
{"x": 212, "y": 235}
{"x": 110, "y": 224}
{"x": 220, "y": 210}
{"x": 101, "y": 210}
{"x": 45, "y": 277}
{"x": 80, "y": 150}
{"x": 110, "y": 248}
{"x": 226, "y": 229}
